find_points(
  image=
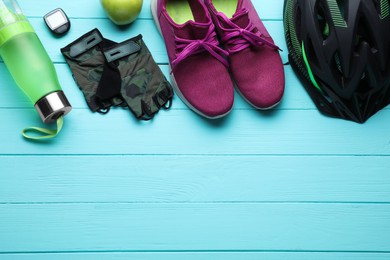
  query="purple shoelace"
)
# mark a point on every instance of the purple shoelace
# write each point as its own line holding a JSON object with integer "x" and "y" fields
{"x": 188, "y": 47}
{"x": 237, "y": 39}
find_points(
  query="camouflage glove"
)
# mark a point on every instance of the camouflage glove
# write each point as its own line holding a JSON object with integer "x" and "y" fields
{"x": 87, "y": 63}
{"x": 143, "y": 86}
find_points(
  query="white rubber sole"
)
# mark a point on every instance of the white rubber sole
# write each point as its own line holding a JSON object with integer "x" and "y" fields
{"x": 153, "y": 8}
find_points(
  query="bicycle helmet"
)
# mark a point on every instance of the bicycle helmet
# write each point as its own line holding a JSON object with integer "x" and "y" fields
{"x": 340, "y": 50}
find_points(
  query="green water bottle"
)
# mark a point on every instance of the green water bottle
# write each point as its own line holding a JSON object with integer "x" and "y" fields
{"x": 29, "y": 63}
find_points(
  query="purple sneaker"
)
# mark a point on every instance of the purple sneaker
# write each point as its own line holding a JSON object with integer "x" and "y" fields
{"x": 255, "y": 63}
{"x": 199, "y": 69}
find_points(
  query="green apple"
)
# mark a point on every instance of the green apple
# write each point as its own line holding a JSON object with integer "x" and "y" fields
{"x": 122, "y": 12}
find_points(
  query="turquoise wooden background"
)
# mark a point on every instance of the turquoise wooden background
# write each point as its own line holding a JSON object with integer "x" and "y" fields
{"x": 284, "y": 184}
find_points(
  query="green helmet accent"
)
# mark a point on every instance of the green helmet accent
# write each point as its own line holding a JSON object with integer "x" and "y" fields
{"x": 289, "y": 27}
{"x": 385, "y": 9}
{"x": 313, "y": 80}
{"x": 337, "y": 17}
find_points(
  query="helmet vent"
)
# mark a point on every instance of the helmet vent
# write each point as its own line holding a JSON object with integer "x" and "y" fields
{"x": 377, "y": 5}
{"x": 364, "y": 86}
{"x": 363, "y": 92}
{"x": 338, "y": 61}
{"x": 322, "y": 22}
{"x": 298, "y": 22}
{"x": 343, "y": 7}
{"x": 364, "y": 35}
{"x": 311, "y": 54}
{"x": 337, "y": 69}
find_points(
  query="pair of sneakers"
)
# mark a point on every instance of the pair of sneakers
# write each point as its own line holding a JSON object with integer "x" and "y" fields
{"x": 214, "y": 45}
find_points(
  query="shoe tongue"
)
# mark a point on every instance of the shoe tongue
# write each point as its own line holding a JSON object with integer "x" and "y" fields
{"x": 193, "y": 30}
{"x": 240, "y": 18}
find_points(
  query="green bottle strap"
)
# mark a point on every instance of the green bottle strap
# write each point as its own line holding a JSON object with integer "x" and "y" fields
{"x": 43, "y": 133}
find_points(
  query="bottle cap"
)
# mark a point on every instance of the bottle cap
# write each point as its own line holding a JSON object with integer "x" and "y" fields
{"x": 52, "y": 106}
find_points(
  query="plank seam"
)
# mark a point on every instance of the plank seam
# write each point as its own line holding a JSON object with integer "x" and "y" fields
{"x": 138, "y": 19}
{"x": 191, "y": 251}
{"x": 193, "y": 155}
{"x": 200, "y": 202}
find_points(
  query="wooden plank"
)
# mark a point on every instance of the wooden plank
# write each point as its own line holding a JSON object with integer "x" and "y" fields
{"x": 199, "y": 256}
{"x": 11, "y": 97}
{"x": 218, "y": 186}
{"x": 92, "y": 9}
{"x": 298, "y": 132}
{"x": 86, "y": 9}
{"x": 110, "y": 31}
{"x": 147, "y": 28}
{"x": 131, "y": 179}
{"x": 196, "y": 226}
{"x": 295, "y": 96}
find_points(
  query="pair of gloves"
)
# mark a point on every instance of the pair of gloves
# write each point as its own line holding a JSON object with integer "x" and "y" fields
{"x": 118, "y": 74}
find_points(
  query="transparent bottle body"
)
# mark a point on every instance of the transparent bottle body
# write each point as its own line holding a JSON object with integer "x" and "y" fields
{"x": 10, "y": 12}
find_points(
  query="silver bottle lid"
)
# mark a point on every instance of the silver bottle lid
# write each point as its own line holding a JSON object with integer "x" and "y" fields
{"x": 52, "y": 106}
